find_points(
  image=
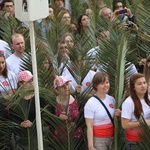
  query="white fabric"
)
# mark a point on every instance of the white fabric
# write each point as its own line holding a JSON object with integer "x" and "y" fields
{"x": 67, "y": 5}
{"x": 68, "y": 76}
{"x": 93, "y": 109}
{"x": 5, "y": 49}
{"x": 88, "y": 80}
{"x": 128, "y": 109}
{"x": 14, "y": 64}
{"x": 85, "y": 83}
{"x": 93, "y": 52}
{"x": 8, "y": 83}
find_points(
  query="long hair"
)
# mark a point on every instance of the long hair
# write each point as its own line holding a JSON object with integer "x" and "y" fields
{"x": 5, "y": 71}
{"x": 138, "y": 107}
{"x": 79, "y": 24}
{"x": 147, "y": 70}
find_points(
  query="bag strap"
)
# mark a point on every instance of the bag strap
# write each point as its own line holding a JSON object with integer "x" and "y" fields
{"x": 105, "y": 108}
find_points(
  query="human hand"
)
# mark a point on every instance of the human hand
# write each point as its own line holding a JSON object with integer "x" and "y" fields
{"x": 26, "y": 124}
{"x": 91, "y": 148}
{"x": 128, "y": 13}
{"x": 117, "y": 112}
{"x": 78, "y": 88}
{"x": 63, "y": 116}
{"x": 115, "y": 14}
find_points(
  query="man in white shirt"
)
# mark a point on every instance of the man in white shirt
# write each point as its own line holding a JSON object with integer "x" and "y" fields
{"x": 14, "y": 61}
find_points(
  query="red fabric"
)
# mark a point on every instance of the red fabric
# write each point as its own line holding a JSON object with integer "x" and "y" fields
{"x": 133, "y": 134}
{"x": 72, "y": 114}
{"x": 103, "y": 131}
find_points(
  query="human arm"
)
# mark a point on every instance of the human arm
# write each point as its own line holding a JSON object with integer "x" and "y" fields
{"x": 127, "y": 123}
{"x": 128, "y": 118}
{"x": 89, "y": 124}
{"x": 117, "y": 112}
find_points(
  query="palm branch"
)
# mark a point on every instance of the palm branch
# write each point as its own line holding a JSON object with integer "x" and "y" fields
{"x": 114, "y": 55}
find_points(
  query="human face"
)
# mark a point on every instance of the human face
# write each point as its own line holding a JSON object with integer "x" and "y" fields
{"x": 85, "y": 21}
{"x": 88, "y": 12}
{"x": 46, "y": 64}
{"x": 59, "y": 3}
{"x": 104, "y": 86}
{"x": 2, "y": 65}
{"x": 119, "y": 6}
{"x": 8, "y": 7}
{"x": 18, "y": 44}
{"x": 63, "y": 50}
{"x": 107, "y": 13}
{"x": 51, "y": 12}
{"x": 140, "y": 86}
{"x": 69, "y": 41}
{"x": 29, "y": 85}
{"x": 64, "y": 90}
{"x": 66, "y": 19}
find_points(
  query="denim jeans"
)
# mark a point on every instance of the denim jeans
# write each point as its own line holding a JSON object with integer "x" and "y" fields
{"x": 131, "y": 145}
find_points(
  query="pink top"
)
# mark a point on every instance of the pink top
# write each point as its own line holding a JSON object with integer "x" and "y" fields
{"x": 72, "y": 113}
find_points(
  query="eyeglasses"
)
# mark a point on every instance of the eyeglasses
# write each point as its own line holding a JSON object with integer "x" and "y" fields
{"x": 9, "y": 6}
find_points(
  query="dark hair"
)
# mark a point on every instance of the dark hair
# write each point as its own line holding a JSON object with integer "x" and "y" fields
{"x": 79, "y": 25}
{"x": 5, "y": 71}
{"x": 98, "y": 78}
{"x": 61, "y": 0}
{"x": 138, "y": 107}
{"x": 5, "y": 1}
{"x": 147, "y": 70}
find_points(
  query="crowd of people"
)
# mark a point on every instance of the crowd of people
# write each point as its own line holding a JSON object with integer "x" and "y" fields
{"x": 69, "y": 72}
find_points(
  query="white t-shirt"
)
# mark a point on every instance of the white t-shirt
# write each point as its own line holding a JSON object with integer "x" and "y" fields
{"x": 87, "y": 81}
{"x": 93, "y": 109}
{"x": 14, "y": 64}
{"x": 128, "y": 109}
{"x": 5, "y": 49}
{"x": 8, "y": 83}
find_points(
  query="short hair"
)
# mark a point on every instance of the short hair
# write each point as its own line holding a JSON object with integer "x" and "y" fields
{"x": 101, "y": 11}
{"x": 98, "y": 78}
{"x": 61, "y": 0}
{"x": 15, "y": 35}
{"x": 5, "y": 1}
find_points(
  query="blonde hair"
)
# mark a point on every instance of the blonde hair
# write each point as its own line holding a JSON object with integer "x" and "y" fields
{"x": 16, "y": 35}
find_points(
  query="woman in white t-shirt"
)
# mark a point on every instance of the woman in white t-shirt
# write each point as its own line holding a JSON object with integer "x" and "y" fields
{"x": 100, "y": 128}
{"x": 136, "y": 106}
{"x": 8, "y": 80}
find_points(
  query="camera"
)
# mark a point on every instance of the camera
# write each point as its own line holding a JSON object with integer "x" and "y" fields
{"x": 123, "y": 11}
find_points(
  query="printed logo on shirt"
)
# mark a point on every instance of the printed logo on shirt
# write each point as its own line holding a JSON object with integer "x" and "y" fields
{"x": 111, "y": 105}
{"x": 88, "y": 83}
{"x": 5, "y": 83}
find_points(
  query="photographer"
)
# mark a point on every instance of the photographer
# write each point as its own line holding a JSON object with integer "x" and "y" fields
{"x": 126, "y": 15}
